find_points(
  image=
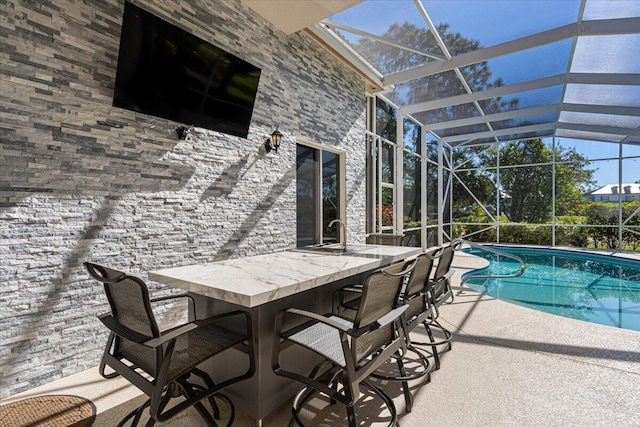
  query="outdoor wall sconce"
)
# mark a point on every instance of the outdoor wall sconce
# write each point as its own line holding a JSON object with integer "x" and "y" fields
{"x": 182, "y": 132}
{"x": 274, "y": 142}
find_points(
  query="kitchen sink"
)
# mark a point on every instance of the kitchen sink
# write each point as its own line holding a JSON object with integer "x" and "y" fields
{"x": 331, "y": 249}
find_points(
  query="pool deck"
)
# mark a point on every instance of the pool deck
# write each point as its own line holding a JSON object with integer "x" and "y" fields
{"x": 509, "y": 366}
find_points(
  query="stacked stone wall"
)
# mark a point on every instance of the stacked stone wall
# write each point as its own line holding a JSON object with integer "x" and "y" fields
{"x": 81, "y": 180}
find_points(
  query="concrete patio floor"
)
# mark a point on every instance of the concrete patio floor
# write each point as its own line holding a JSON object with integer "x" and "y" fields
{"x": 509, "y": 366}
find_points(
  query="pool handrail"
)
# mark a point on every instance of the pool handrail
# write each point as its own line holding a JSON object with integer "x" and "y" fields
{"x": 494, "y": 276}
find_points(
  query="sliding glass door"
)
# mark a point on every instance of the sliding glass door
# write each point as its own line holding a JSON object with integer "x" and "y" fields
{"x": 319, "y": 193}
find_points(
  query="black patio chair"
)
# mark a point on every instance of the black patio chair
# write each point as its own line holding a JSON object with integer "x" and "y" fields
{"x": 162, "y": 364}
{"x": 441, "y": 281}
{"x": 417, "y": 295}
{"x": 419, "y": 312}
{"x": 351, "y": 349}
{"x": 439, "y": 291}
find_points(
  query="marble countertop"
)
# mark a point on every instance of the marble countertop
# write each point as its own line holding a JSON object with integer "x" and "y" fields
{"x": 256, "y": 280}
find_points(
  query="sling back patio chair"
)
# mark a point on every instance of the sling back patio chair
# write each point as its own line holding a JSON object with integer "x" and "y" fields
{"x": 415, "y": 295}
{"x": 351, "y": 349}
{"x": 439, "y": 291}
{"x": 441, "y": 281}
{"x": 162, "y": 363}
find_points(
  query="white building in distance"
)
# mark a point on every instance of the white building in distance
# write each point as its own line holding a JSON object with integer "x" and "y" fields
{"x": 615, "y": 192}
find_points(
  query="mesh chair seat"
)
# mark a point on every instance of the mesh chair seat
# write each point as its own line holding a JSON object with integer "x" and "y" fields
{"x": 323, "y": 339}
{"x": 195, "y": 346}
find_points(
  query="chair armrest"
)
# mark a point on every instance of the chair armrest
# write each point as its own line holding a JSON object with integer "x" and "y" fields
{"x": 320, "y": 318}
{"x": 122, "y": 331}
{"x": 447, "y": 276}
{"x": 172, "y": 297}
{"x": 392, "y": 315}
{"x": 218, "y": 317}
{"x": 194, "y": 325}
{"x": 191, "y": 302}
{"x": 384, "y": 320}
{"x": 156, "y": 342}
{"x": 352, "y": 288}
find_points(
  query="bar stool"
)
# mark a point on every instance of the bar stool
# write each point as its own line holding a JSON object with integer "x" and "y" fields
{"x": 414, "y": 294}
{"x": 162, "y": 364}
{"x": 351, "y": 349}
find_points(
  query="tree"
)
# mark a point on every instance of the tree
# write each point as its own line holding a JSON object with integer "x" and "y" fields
{"x": 603, "y": 214}
{"x": 573, "y": 180}
{"x": 473, "y": 181}
{"x": 527, "y": 190}
{"x": 389, "y": 59}
{"x": 530, "y": 188}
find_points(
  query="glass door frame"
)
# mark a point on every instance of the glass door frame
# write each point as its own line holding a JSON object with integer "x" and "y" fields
{"x": 341, "y": 184}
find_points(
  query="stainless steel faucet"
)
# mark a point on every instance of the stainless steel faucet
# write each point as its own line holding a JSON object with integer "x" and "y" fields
{"x": 342, "y": 232}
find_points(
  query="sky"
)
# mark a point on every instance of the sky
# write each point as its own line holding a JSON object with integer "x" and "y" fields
{"x": 607, "y": 171}
{"x": 496, "y": 21}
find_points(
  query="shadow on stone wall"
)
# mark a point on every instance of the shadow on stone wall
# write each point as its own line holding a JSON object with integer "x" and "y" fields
{"x": 227, "y": 180}
{"x": 249, "y": 224}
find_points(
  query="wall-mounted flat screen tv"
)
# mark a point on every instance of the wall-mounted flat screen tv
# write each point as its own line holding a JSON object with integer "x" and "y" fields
{"x": 167, "y": 72}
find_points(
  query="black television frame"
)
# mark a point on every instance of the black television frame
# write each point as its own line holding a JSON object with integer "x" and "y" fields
{"x": 165, "y": 71}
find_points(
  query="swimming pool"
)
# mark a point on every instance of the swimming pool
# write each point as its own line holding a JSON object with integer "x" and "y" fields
{"x": 580, "y": 285}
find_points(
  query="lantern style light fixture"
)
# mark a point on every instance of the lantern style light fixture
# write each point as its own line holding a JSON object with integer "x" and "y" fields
{"x": 274, "y": 141}
{"x": 182, "y": 132}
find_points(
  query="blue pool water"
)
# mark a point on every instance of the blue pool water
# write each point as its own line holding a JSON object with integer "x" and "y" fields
{"x": 585, "y": 286}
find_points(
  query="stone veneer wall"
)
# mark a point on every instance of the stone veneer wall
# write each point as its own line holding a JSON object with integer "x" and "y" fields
{"x": 82, "y": 180}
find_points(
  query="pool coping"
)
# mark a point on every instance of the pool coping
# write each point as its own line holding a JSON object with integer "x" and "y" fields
{"x": 596, "y": 251}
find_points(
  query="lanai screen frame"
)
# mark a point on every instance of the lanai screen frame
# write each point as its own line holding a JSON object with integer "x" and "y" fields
{"x": 445, "y": 172}
{"x": 596, "y": 24}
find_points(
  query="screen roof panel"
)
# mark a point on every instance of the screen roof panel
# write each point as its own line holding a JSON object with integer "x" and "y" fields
{"x": 604, "y": 9}
{"x": 627, "y": 122}
{"x": 498, "y": 21}
{"x": 542, "y": 61}
{"x": 493, "y": 57}
{"x": 607, "y": 54}
{"x": 608, "y": 95}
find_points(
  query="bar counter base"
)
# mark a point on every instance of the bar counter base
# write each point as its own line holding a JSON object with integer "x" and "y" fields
{"x": 263, "y": 393}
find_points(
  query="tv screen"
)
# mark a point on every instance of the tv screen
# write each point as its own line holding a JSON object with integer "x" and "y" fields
{"x": 167, "y": 72}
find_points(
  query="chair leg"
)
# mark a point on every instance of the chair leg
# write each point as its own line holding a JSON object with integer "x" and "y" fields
{"x": 188, "y": 390}
{"x": 405, "y": 386}
{"x": 210, "y": 384}
{"x": 434, "y": 348}
{"x": 335, "y": 387}
{"x": 351, "y": 416}
{"x": 214, "y": 406}
{"x": 387, "y": 401}
{"x": 432, "y": 343}
{"x": 447, "y": 334}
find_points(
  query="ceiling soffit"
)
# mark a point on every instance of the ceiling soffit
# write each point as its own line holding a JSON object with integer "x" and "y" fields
{"x": 290, "y": 16}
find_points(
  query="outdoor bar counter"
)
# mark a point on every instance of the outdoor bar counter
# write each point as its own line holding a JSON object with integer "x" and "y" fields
{"x": 263, "y": 285}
